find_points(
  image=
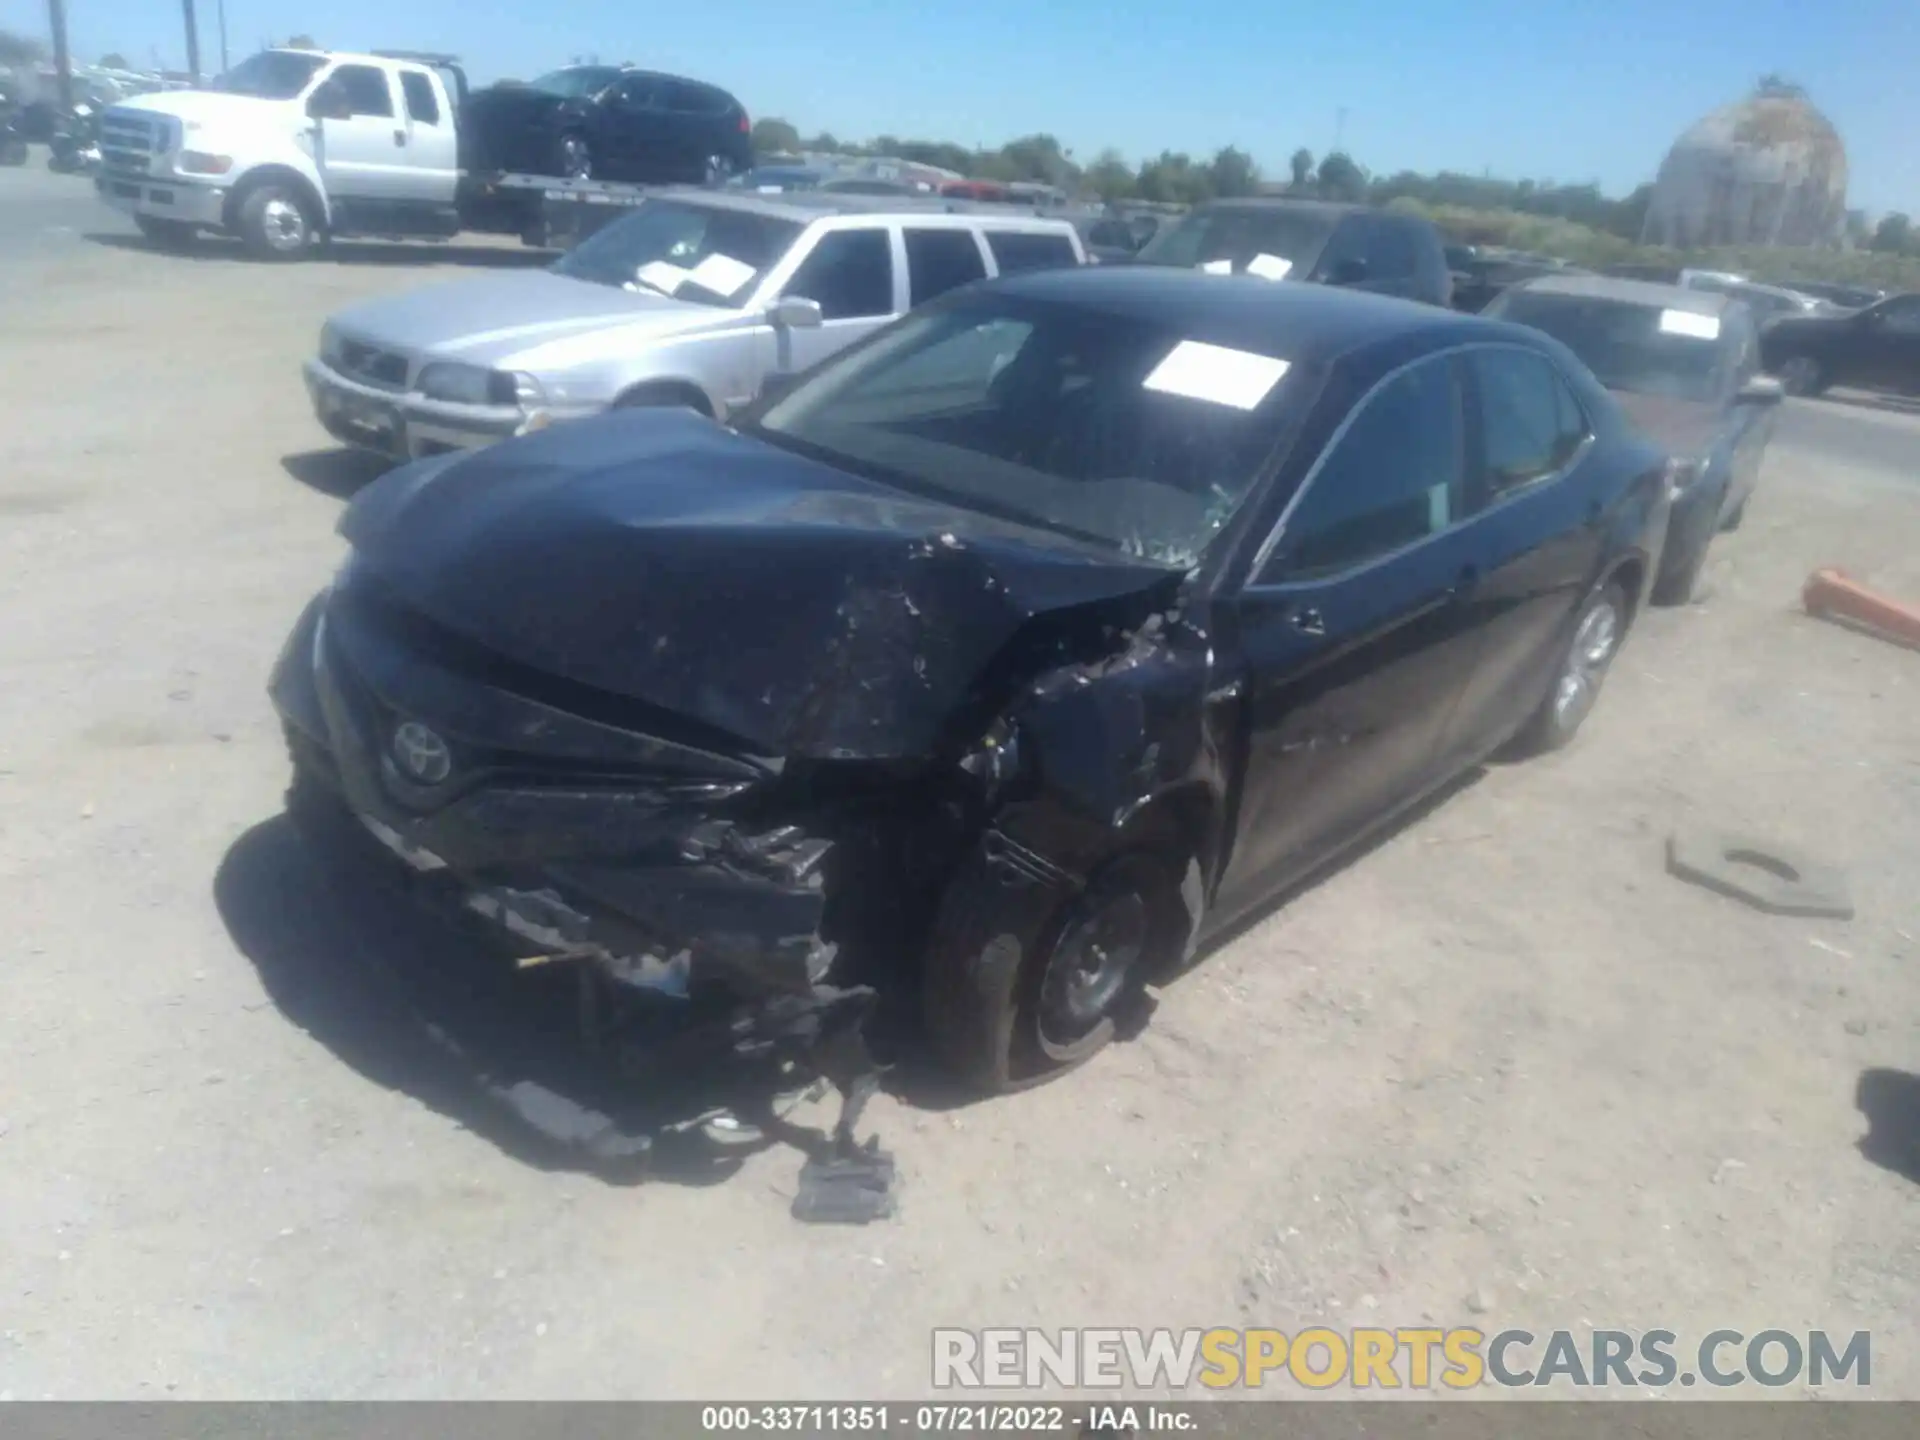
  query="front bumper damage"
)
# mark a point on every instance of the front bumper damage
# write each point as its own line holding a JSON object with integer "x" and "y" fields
{"x": 694, "y": 927}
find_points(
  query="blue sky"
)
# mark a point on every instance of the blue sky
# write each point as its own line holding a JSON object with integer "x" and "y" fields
{"x": 1547, "y": 89}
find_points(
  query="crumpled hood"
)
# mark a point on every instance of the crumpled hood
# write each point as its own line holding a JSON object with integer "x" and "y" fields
{"x": 658, "y": 556}
{"x": 1686, "y": 429}
{"x": 487, "y": 318}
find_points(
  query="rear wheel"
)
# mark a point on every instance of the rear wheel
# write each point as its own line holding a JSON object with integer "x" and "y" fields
{"x": 274, "y": 222}
{"x": 1597, "y": 632}
{"x": 1677, "y": 586}
{"x": 166, "y": 234}
{"x": 1732, "y": 522}
{"x": 717, "y": 171}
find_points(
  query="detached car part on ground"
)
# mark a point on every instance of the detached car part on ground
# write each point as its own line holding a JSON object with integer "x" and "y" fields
{"x": 1684, "y": 364}
{"x": 988, "y": 670}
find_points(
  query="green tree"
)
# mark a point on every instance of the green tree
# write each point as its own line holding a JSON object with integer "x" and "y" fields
{"x": 1302, "y": 166}
{"x": 307, "y": 42}
{"x": 17, "y": 49}
{"x": 1109, "y": 177}
{"x": 1173, "y": 178}
{"x": 774, "y": 137}
{"x": 1039, "y": 157}
{"x": 1232, "y": 172}
{"x": 1341, "y": 179}
{"x": 1893, "y": 235}
{"x": 114, "y": 60}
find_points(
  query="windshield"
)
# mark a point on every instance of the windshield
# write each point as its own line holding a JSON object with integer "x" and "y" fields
{"x": 270, "y": 75}
{"x": 707, "y": 254}
{"x": 1120, "y": 434}
{"x": 576, "y": 81}
{"x": 1625, "y": 345}
{"x": 1238, "y": 236}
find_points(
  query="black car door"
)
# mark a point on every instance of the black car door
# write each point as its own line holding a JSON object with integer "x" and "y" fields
{"x": 1350, "y": 632}
{"x": 1540, "y": 528}
{"x": 1890, "y": 348}
{"x": 633, "y": 134}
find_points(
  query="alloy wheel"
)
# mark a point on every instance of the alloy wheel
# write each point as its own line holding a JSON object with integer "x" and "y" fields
{"x": 1594, "y": 642}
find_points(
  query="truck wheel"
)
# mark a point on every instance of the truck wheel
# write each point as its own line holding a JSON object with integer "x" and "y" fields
{"x": 1802, "y": 376}
{"x": 576, "y": 160}
{"x": 717, "y": 171}
{"x": 164, "y": 234}
{"x": 274, "y": 223}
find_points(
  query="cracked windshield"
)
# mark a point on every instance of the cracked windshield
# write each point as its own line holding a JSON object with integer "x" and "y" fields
{"x": 667, "y": 685}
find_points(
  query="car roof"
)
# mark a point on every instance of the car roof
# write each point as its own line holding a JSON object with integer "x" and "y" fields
{"x": 805, "y": 206}
{"x": 1319, "y": 323}
{"x": 1631, "y": 292}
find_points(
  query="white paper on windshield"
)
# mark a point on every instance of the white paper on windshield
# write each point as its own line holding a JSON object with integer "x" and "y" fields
{"x": 661, "y": 276}
{"x": 721, "y": 274}
{"x": 1218, "y": 267}
{"x": 1685, "y": 322}
{"x": 1216, "y": 374}
{"x": 1269, "y": 267}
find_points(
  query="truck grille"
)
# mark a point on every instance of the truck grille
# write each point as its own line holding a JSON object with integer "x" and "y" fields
{"x": 371, "y": 364}
{"x": 130, "y": 141}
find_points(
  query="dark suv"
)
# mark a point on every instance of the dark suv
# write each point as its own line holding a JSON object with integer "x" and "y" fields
{"x": 1354, "y": 246}
{"x": 604, "y": 122}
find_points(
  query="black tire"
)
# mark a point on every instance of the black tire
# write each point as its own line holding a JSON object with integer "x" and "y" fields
{"x": 1803, "y": 376}
{"x": 165, "y": 234}
{"x": 1733, "y": 521}
{"x": 276, "y": 221}
{"x": 1677, "y": 586}
{"x": 1001, "y": 1021}
{"x": 573, "y": 159}
{"x": 1557, "y": 721}
{"x": 716, "y": 172}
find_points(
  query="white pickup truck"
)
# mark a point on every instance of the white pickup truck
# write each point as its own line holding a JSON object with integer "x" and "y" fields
{"x": 295, "y": 145}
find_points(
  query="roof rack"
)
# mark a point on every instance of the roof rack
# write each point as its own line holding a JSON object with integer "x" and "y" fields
{"x": 422, "y": 57}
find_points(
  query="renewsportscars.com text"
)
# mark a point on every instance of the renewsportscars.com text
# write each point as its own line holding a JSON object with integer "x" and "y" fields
{"x": 1422, "y": 1358}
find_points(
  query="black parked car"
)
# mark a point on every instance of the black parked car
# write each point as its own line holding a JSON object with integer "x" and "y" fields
{"x": 1353, "y": 246}
{"x": 1685, "y": 366}
{"x": 997, "y": 661}
{"x": 1877, "y": 348}
{"x": 607, "y": 123}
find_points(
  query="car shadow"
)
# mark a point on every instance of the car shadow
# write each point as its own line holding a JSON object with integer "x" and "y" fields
{"x": 413, "y": 1004}
{"x": 418, "y": 254}
{"x": 1890, "y": 1101}
{"x": 340, "y": 473}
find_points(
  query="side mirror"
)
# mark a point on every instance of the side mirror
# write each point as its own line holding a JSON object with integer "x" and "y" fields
{"x": 795, "y": 312}
{"x": 1351, "y": 271}
{"x": 330, "y": 102}
{"x": 1761, "y": 390}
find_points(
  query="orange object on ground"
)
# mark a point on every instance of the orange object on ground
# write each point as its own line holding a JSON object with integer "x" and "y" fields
{"x": 1831, "y": 595}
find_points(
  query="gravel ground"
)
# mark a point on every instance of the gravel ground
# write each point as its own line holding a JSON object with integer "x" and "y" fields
{"x": 1500, "y": 1070}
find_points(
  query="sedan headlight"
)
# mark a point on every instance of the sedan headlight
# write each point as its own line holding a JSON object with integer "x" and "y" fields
{"x": 472, "y": 385}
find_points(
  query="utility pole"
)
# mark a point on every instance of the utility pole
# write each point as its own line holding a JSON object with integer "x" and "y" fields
{"x": 193, "y": 42}
{"x": 62, "y": 61}
{"x": 225, "y": 64}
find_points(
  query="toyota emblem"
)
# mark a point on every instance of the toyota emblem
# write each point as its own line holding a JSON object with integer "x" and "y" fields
{"x": 423, "y": 757}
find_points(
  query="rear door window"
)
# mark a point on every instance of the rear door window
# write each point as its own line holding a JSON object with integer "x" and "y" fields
{"x": 1015, "y": 251}
{"x": 422, "y": 106}
{"x": 849, "y": 274}
{"x": 941, "y": 260}
{"x": 366, "y": 89}
{"x": 1530, "y": 423}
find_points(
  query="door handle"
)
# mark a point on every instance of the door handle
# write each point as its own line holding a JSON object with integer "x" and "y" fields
{"x": 1307, "y": 620}
{"x": 399, "y": 137}
{"x": 1468, "y": 578}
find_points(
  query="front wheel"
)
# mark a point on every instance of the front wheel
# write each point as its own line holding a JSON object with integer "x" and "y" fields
{"x": 1802, "y": 376}
{"x": 1597, "y": 631}
{"x": 274, "y": 223}
{"x": 575, "y": 159}
{"x": 1002, "y": 1020}
{"x": 716, "y": 172}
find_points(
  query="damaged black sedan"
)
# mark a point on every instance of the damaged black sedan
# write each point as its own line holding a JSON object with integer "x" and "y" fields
{"x": 988, "y": 668}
